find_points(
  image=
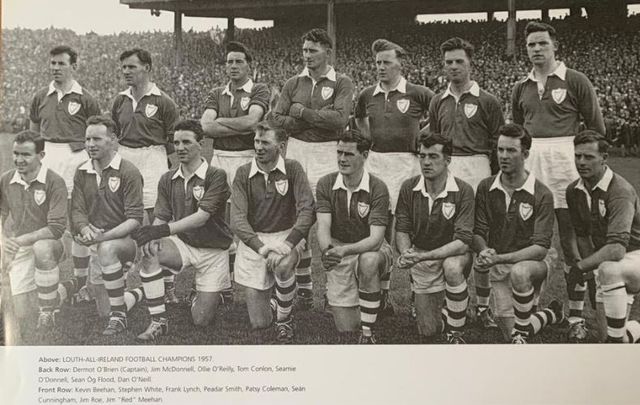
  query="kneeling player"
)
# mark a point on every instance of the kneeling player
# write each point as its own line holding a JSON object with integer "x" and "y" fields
{"x": 271, "y": 213}
{"x": 512, "y": 236}
{"x": 353, "y": 213}
{"x": 106, "y": 207}
{"x": 605, "y": 211}
{"x": 434, "y": 224}
{"x": 188, "y": 230}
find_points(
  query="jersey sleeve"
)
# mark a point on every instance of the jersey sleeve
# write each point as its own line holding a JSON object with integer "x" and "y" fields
{"x": 162, "y": 208}
{"x": 217, "y": 194}
{"x": 464, "y": 221}
{"x": 379, "y": 205}
{"x": 305, "y": 212}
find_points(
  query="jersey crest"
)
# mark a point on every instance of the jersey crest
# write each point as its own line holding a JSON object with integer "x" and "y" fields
{"x": 470, "y": 110}
{"x": 403, "y": 105}
{"x": 526, "y": 210}
{"x": 198, "y": 192}
{"x": 282, "y": 186}
{"x": 114, "y": 184}
{"x": 73, "y": 107}
{"x": 39, "y": 196}
{"x": 602, "y": 208}
{"x": 559, "y": 95}
{"x": 244, "y": 103}
{"x": 150, "y": 110}
{"x": 448, "y": 209}
{"x": 363, "y": 209}
{"x": 326, "y": 93}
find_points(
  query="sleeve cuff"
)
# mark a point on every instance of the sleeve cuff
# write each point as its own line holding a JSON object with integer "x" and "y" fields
{"x": 295, "y": 236}
{"x": 255, "y": 243}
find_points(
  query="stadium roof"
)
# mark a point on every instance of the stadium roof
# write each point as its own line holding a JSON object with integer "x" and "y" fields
{"x": 273, "y": 9}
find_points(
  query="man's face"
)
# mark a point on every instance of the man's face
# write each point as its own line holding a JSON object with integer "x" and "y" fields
{"x": 541, "y": 48}
{"x": 433, "y": 162}
{"x": 267, "y": 147}
{"x": 589, "y": 162}
{"x": 511, "y": 156}
{"x": 135, "y": 72}
{"x": 25, "y": 157}
{"x": 388, "y": 66}
{"x": 98, "y": 142}
{"x": 237, "y": 66}
{"x": 61, "y": 68}
{"x": 315, "y": 55}
{"x": 187, "y": 147}
{"x": 457, "y": 66}
{"x": 350, "y": 160}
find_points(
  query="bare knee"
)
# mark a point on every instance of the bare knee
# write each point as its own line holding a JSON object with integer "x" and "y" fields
{"x": 45, "y": 253}
{"x": 108, "y": 252}
{"x": 202, "y": 318}
{"x": 520, "y": 278}
{"x": 609, "y": 272}
{"x": 453, "y": 271}
{"x": 368, "y": 266}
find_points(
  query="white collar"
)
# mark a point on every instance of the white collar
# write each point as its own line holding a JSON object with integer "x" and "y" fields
{"x": 474, "y": 90}
{"x": 75, "y": 88}
{"x": 153, "y": 91}
{"x": 201, "y": 171}
{"x": 115, "y": 163}
{"x": 364, "y": 183}
{"x": 247, "y": 87}
{"x": 603, "y": 184}
{"x": 41, "y": 177}
{"x": 528, "y": 186}
{"x": 560, "y": 71}
{"x": 255, "y": 169}
{"x": 450, "y": 186}
{"x": 331, "y": 74}
{"x": 401, "y": 87}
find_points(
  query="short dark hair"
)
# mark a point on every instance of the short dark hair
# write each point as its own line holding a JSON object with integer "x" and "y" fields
{"x": 517, "y": 131}
{"x": 381, "y": 45}
{"x": 537, "y": 26}
{"x": 266, "y": 126}
{"x": 112, "y": 128}
{"x": 235, "y": 46}
{"x": 59, "y": 50}
{"x": 433, "y": 138}
{"x": 143, "y": 56}
{"x": 455, "y": 43}
{"x": 190, "y": 125}
{"x": 591, "y": 136}
{"x": 318, "y": 35}
{"x": 30, "y": 136}
{"x": 353, "y": 135}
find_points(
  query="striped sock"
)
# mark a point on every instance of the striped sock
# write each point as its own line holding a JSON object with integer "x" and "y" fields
{"x": 385, "y": 281}
{"x": 576, "y": 302}
{"x": 285, "y": 290}
{"x": 169, "y": 279}
{"x": 369, "y": 304}
{"x": 483, "y": 288}
{"x": 47, "y": 284}
{"x": 153, "y": 286}
{"x": 66, "y": 289}
{"x": 131, "y": 298}
{"x": 413, "y": 289}
{"x": 457, "y": 300}
{"x": 633, "y": 332}
{"x": 80, "y": 255}
{"x": 522, "y": 303}
{"x": 540, "y": 319}
{"x": 114, "y": 283}
{"x": 303, "y": 273}
{"x": 615, "y": 298}
{"x": 232, "y": 259}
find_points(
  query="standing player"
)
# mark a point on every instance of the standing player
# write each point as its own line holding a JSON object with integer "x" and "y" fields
{"x": 106, "y": 207}
{"x": 434, "y": 229}
{"x": 314, "y": 108}
{"x": 271, "y": 213}
{"x": 230, "y": 116}
{"x": 512, "y": 236}
{"x": 189, "y": 229}
{"x": 353, "y": 213}
{"x": 389, "y": 114}
{"x": 605, "y": 211}
{"x": 59, "y": 113}
{"x": 550, "y": 103}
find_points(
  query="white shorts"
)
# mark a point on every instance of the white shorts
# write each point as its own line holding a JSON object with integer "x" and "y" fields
{"x": 250, "y": 269}
{"x": 471, "y": 169}
{"x": 61, "y": 159}
{"x": 428, "y": 277}
{"x": 631, "y": 260}
{"x": 342, "y": 281}
{"x": 317, "y": 158}
{"x": 152, "y": 163}
{"x": 211, "y": 265}
{"x": 552, "y": 161}
{"x": 22, "y": 271}
{"x": 229, "y": 161}
{"x": 393, "y": 168}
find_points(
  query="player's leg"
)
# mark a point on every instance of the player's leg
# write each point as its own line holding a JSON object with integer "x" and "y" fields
{"x": 212, "y": 277}
{"x": 258, "y": 307}
{"x": 81, "y": 256}
{"x": 482, "y": 283}
{"x": 370, "y": 267}
{"x": 342, "y": 295}
{"x": 429, "y": 287}
{"x": 456, "y": 270}
{"x": 386, "y": 307}
{"x": 46, "y": 255}
{"x": 285, "y": 290}
{"x": 95, "y": 284}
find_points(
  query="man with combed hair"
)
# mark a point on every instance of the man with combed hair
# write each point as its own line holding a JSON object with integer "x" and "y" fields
{"x": 230, "y": 116}
{"x": 389, "y": 114}
{"x": 272, "y": 211}
{"x": 434, "y": 229}
{"x": 353, "y": 213}
{"x": 512, "y": 237}
{"x": 314, "y": 108}
{"x": 106, "y": 207}
{"x": 551, "y": 102}
{"x": 33, "y": 206}
{"x": 189, "y": 230}
{"x": 59, "y": 113}
{"x": 605, "y": 211}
